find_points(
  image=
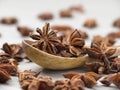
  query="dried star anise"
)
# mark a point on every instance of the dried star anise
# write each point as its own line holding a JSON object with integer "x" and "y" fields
{"x": 11, "y": 69}
{"x": 117, "y": 23}
{"x": 41, "y": 83}
{"x": 4, "y": 60}
{"x": 46, "y": 16}
{"x": 99, "y": 50}
{"x": 8, "y": 20}
{"x": 29, "y": 80}
{"x": 46, "y": 40}
{"x": 25, "y": 78}
{"x": 4, "y": 76}
{"x": 116, "y": 64}
{"x": 114, "y": 35}
{"x": 76, "y": 43}
{"x": 61, "y": 27}
{"x": 112, "y": 78}
{"x": 90, "y": 23}
{"x": 12, "y": 51}
{"x": 67, "y": 84}
{"x": 66, "y": 13}
{"x": 97, "y": 67}
{"x": 78, "y": 8}
{"x": 89, "y": 79}
{"x": 99, "y": 39}
{"x": 25, "y": 31}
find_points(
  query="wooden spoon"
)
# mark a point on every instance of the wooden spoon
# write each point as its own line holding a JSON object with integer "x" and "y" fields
{"x": 53, "y": 62}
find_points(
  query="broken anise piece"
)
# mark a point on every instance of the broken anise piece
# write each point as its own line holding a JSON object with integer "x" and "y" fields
{"x": 46, "y": 16}
{"x": 8, "y": 20}
{"x": 46, "y": 40}
{"x": 90, "y": 23}
{"x": 41, "y": 83}
{"x": 25, "y": 78}
{"x": 89, "y": 79}
{"x": 111, "y": 79}
{"x": 66, "y": 13}
{"x": 67, "y": 84}
{"x": 117, "y": 23}
{"x": 4, "y": 76}
{"x": 13, "y": 51}
{"x": 25, "y": 31}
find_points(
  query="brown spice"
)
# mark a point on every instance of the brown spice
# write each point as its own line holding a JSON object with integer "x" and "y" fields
{"x": 11, "y": 69}
{"x": 89, "y": 79}
{"x": 41, "y": 83}
{"x": 114, "y": 35}
{"x": 4, "y": 76}
{"x": 46, "y": 40}
{"x": 25, "y": 78}
{"x": 99, "y": 51}
{"x": 61, "y": 27}
{"x": 25, "y": 31}
{"x": 13, "y": 51}
{"x": 8, "y": 20}
{"x": 90, "y": 23}
{"x": 78, "y": 8}
{"x": 74, "y": 84}
{"x": 76, "y": 43}
{"x": 4, "y": 60}
{"x": 66, "y": 13}
{"x": 116, "y": 64}
{"x": 46, "y": 16}
{"x": 97, "y": 67}
{"x": 99, "y": 39}
{"x": 112, "y": 78}
{"x": 117, "y": 23}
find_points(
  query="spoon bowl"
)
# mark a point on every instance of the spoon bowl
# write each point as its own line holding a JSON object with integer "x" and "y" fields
{"x": 50, "y": 61}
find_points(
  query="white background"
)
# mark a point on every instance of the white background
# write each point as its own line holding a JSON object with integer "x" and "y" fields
{"x": 104, "y": 11}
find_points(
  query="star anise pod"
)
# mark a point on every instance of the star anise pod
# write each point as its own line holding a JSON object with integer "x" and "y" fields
{"x": 117, "y": 23}
{"x": 4, "y": 76}
{"x": 12, "y": 51}
{"x": 116, "y": 64}
{"x": 100, "y": 51}
{"x": 11, "y": 69}
{"x": 89, "y": 79}
{"x": 67, "y": 84}
{"x": 99, "y": 39}
{"x": 41, "y": 83}
{"x": 24, "y": 30}
{"x": 25, "y": 78}
{"x": 76, "y": 43}
{"x": 46, "y": 40}
{"x": 112, "y": 79}
{"x": 97, "y": 67}
{"x": 4, "y": 60}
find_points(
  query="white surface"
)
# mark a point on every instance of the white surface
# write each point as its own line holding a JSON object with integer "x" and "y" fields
{"x": 104, "y": 11}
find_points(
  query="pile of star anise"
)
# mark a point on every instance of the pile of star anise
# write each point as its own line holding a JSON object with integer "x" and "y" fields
{"x": 30, "y": 80}
{"x": 51, "y": 42}
{"x": 9, "y": 57}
